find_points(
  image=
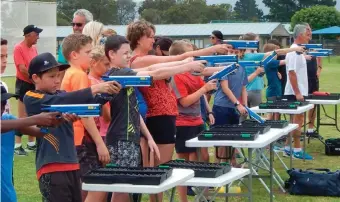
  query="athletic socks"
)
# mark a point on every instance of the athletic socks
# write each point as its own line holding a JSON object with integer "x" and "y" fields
{"x": 31, "y": 144}
{"x": 287, "y": 148}
{"x": 17, "y": 145}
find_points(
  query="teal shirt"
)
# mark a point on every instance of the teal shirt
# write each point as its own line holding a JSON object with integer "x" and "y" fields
{"x": 61, "y": 58}
{"x": 274, "y": 83}
{"x": 257, "y": 83}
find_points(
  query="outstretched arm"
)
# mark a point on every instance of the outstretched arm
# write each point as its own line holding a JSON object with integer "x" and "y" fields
{"x": 43, "y": 119}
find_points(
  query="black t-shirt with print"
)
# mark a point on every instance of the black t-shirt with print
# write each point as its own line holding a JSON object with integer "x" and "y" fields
{"x": 125, "y": 117}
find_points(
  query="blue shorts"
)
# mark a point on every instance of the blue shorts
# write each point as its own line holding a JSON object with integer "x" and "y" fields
{"x": 225, "y": 115}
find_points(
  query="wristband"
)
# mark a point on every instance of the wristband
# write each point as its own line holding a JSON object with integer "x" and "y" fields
{"x": 212, "y": 113}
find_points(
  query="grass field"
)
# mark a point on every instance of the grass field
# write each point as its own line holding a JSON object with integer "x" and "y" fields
{"x": 27, "y": 187}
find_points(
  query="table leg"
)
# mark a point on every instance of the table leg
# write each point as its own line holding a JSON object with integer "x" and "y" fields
{"x": 172, "y": 195}
{"x": 271, "y": 172}
{"x": 198, "y": 150}
{"x": 336, "y": 117}
{"x": 131, "y": 197}
{"x": 250, "y": 177}
{"x": 290, "y": 136}
{"x": 304, "y": 135}
{"x": 318, "y": 118}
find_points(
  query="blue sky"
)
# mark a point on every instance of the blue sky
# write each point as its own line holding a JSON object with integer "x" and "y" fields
{"x": 259, "y": 2}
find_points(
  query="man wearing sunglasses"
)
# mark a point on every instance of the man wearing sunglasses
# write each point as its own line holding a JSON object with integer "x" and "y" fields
{"x": 23, "y": 53}
{"x": 80, "y": 18}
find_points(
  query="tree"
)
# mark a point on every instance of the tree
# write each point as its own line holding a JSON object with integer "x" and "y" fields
{"x": 283, "y": 10}
{"x": 160, "y": 5}
{"x": 220, "y": 12}
{"x": 152, "y": 15}
{"x": 310, "y": 3}
{"x": 317, "y": 17}
{"x": 104, "y": 11}
{"x": 125, "y": 11}
{"x": 247, "y": 10}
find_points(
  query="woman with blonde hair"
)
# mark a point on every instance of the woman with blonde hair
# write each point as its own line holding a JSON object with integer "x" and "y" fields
{"x": 94, "y": 30}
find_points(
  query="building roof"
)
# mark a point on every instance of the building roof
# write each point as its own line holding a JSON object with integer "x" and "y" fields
{"x": 181, "y": 30}
{"x": 287, "y": 27}
{"x": 329, "y": 30}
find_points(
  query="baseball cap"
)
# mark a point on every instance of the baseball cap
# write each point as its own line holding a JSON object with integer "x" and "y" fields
{"x": 5, "y": 95}
{"x": 32, "y": 28}
{"x": 44, "y": 62}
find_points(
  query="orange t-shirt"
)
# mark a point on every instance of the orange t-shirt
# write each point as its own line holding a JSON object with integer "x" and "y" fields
{"x": 76, "y": 79}
{"x": 23, "y": 55}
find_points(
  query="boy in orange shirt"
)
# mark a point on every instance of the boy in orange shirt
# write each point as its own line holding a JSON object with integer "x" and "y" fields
{"x": 91, "y": 149}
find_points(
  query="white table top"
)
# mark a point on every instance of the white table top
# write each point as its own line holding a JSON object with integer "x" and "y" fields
{"x": 324, "y": 102}
{"x": 178, "y": 177}
{"x": 234, "y": 174}
{"x": 299, "y": 110}
{"x": 263, "y": 140}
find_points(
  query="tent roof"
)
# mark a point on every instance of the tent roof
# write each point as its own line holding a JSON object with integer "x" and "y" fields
{"x": 329, "y": 30}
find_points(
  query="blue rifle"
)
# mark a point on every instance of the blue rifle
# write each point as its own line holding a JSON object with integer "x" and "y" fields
{"x": 224, "y": 72}
{"x": 318, "y": 54}
{"x": 213, "y": 59}
{"x": 127, "y": 81}
{"x": 311, "y": 46}
{"x": 254, "y": 116}
{"x": 329, "y": 51}
{"x": 242, "y": 44}
{"x": 262, "y": 63}
{"x": 81, "y": 110}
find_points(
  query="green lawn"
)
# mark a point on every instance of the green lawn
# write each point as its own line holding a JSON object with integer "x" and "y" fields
{"x": 27, "y": 187}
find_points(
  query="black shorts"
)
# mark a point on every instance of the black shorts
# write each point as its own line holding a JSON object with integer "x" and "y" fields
{"x": 21, "y": 88}
{"x": 162, "y": 129}
{"x": 313, "y": 85}
{"x": 87, "y": 156}
{"x": 60, "y": 186}
{"x": 185, "y": 133}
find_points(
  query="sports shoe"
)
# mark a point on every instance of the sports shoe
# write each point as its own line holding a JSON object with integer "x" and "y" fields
{"x": 190, "y": 192}
{"x": 286, "y": 153}
{"x": 299, "y": 155}
{"x": 278, "y": 149}
{"x": 32, "y": 148}
{"x": 20, "y": 151}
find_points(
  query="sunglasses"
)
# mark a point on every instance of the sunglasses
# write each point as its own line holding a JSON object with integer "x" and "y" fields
{"x": 76, "y": 24}
{"x": 212, "y": 37}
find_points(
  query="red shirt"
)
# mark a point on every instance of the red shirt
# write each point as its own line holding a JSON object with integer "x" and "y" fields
{"x": 159, "y": 99}
{"x": 183, "y": 85}
{"x": 23, "y": 56}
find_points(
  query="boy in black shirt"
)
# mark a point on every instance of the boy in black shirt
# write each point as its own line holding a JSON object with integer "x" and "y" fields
{"x": 56, "y": 159}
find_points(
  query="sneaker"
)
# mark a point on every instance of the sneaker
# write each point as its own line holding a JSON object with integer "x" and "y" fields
{"x": 190, "y": 192}
{"x": 286, "y": 153}
{"x": 32, "y": 148}
{"x": 278, "y": 149}
{"x": 20, "y": 151}
{"x": 299, "y": 155}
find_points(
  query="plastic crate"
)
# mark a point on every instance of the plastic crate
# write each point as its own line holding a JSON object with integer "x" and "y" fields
{"x": 242, "y": 128}
{"x": 271, "y": 123}
{"x": 126, "y": 175}
{"x": 211, "y": 135}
